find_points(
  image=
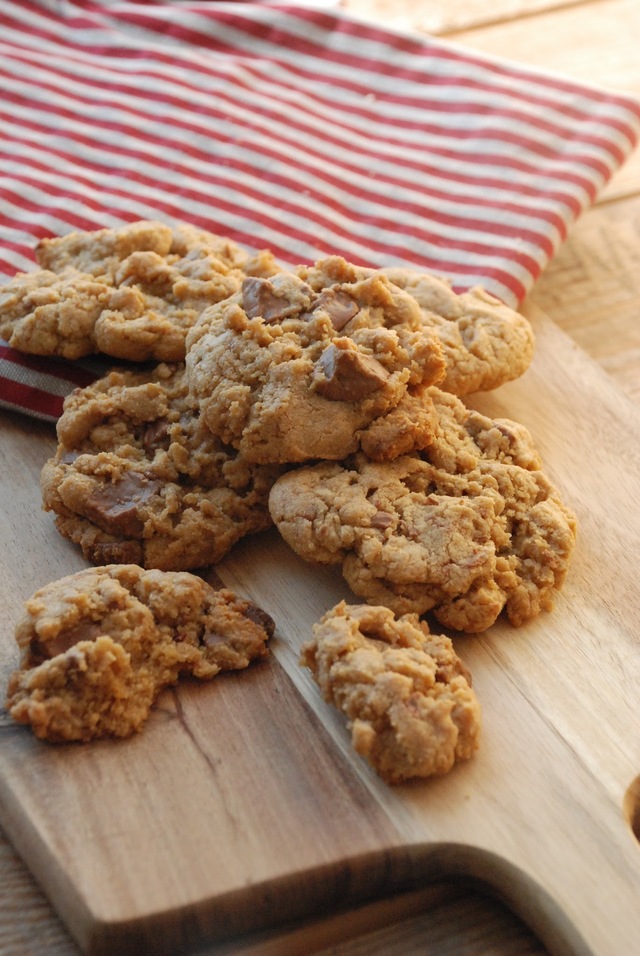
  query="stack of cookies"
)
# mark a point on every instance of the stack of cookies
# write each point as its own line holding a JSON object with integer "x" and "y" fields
{"x": 326, "y": 399}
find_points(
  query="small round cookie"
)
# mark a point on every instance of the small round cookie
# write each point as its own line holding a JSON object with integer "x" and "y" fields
{"x": 405, "y": 692}
{"x": 98, "y": 646}
{"x": 131, "y": 293}
{"x": 468, "y": 528}
{"x": 485, "y": 342}
{"x": 138, "y": 478}
{"x": 46, "y": 313}
{"x": 286, "y": 372}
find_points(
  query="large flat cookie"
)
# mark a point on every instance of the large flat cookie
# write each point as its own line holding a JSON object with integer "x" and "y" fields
{"x": 131, "y": 292}
{"x": 286, "y": 371}
{"x": 405, "y": 692}
{"x": 467, "y": 529}
{"x": 138, "y": 478}
{"x": 98, "y": 646}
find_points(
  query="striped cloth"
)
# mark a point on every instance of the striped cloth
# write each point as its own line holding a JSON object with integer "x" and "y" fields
{"x": 290, "y": 127}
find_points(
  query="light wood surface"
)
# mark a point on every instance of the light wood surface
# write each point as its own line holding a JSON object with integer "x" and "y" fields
{"x": 549, "y": 789}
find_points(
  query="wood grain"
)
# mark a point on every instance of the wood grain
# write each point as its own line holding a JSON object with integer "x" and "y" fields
{"x": 591, "y": 288}
{"x": 445, "y": 16}
{"x": 242, "y": 803}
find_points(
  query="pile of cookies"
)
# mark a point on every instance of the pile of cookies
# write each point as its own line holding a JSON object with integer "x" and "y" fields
{"x": 325, "y": 399}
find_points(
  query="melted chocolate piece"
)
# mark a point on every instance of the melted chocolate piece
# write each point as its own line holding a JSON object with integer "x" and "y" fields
{"x": 339, "y": 306}
{"x": 259, "y": 617}
{"x": 114, "y": 507}
{"x": 259, "y": 299}
{"x": 349, "y": 375}
{"x": 382, "y": 520}
{"x": 156, "y": 435}
{"x": 44, "y": 650}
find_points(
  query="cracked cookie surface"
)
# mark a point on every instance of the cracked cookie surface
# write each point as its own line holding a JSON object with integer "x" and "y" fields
{"x": 132, "y": 292}
{"x": 98, "y": 646}
{"x": 485, "y": 342}
{"x": 138, "y": 478}
{"x": 468, "y": 528}
{"x": 407, "y": 696}
{"x": 287, "y": 371}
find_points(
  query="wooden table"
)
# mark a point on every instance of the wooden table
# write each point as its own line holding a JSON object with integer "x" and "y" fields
{"x": 592, "y": 291}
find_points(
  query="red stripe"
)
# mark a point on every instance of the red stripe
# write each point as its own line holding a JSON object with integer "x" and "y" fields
{"x": 386, "y": 248}
{"x": 205, "y": 156}
{"x": 294, "y": 185}
{"x": 467, "y": 180}
{"x": 76, "y": 374}
{"x": 348, "y": 109}
{"x": 28, "y": 398}
{"x": 463, "y": 200}
{"x": 429, "y": 79}
{"x": 360, "y": 31}
{"x": 479, "y": 157}
{"x": 290, "y": 41}
{"x": 480, "y": 225}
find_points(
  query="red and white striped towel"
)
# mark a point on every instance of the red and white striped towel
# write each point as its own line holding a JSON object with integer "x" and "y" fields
{"x": 292, "y": 128}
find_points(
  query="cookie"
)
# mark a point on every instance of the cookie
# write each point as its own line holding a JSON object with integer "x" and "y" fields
{"x": 46, "y": 313}
{"x": 467, "y": 529}
{"x": 286, "y": 372}
{"x": 405, "y": 692}
{"x": 485, "y": 342}
{"x": 98, "y": 646}
{"x": 138, "y": 478}
{"x": 131, "y": 292}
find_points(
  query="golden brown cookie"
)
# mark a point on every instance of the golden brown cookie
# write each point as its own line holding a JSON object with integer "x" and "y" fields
{"x": 485, "y": 342}
{"x": 286, "y": 372}
{"x": 131, "y": 292}
{"x": 98, "y": 646}
{"x": 138, "y": 478}
{"x": 46, "y": 313}
{"x": 405, "y": 692}
{"x": 467, "y": 528}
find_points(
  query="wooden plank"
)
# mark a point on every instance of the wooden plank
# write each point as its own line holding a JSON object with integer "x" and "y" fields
{"x": 591, "y": 288}
{"x": 439, "y": 17}
{"x": 242, "y": 802}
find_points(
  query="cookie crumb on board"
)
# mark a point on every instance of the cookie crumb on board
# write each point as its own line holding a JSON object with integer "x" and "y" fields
{"x": 406, "y": 694}
{"x": 98, "y": 646}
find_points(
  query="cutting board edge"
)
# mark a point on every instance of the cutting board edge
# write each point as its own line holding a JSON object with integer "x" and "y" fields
{"x": 374, "y": 875}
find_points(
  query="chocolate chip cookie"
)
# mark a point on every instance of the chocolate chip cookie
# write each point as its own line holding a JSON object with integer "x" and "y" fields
{"x": 98, "y": 646}
{"x": 131, "y": 292}
{"x": 138, "y": 478}
{"x": 485, "y": 342}
{"x": 468, "y": 528}
{"x": 405, "y": 692}
{"x": 285, "y": 371}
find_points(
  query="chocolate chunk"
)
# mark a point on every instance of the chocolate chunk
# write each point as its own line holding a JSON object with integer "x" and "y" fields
{"x": 259, "y": 299}
{"x": 259, "y": 617}
{"x": 349, "y": 375}
{"x": 155, "y": 435}
{"x": 114, "y": 507}
{"x": 339, "y": 306}
{"x": 44, "y": 650}
{"x": 382, "y": 520}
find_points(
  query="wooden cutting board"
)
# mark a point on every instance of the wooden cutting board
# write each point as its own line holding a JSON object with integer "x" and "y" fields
{"x": 242, "y": 805}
